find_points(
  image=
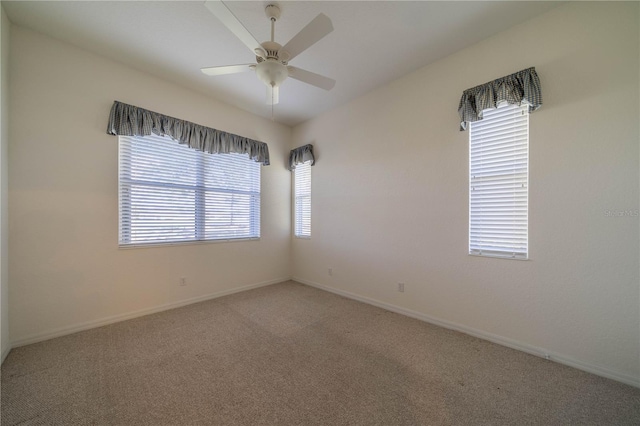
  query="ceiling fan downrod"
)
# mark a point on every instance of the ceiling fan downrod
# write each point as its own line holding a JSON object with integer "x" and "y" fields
{"x": 273, "y": 13}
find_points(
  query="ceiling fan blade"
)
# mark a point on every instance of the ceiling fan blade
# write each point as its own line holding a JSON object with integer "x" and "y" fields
{"x": 273, "y": 95}
{"x": 312, "y": 78}
{"x": 309, "y": 35}
{"x": 227, "y": 69}
{"x": 224, "y": 14}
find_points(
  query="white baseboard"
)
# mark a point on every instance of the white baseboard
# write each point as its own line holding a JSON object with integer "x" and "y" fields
{"x": 63, "y": 331}
{"x": 514, "y": 344}
{"x": 5, "y": 352}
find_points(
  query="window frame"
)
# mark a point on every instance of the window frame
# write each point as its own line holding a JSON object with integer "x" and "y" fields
{"x": 520, "y": 199}
{"x": 199, "y": 188}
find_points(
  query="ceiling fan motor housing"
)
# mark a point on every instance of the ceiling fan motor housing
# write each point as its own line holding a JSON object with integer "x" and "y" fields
{"x": 273, "y": 50}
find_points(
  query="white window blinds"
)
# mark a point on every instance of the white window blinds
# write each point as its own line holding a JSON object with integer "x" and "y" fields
{"x": 302, "y": 183}
{"x": 498, "y": 183}
{"x": 172, "y": 193}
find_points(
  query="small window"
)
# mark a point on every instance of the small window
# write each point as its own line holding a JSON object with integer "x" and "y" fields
{"x": 499, "y": 183}
{"x": 171, "y": 193}
{"x": 302, "y": 183}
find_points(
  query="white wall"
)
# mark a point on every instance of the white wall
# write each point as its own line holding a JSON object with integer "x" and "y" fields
{"x": 5, "y": 344}
{"x": 390, "y": 194}
{"x": 66, "y": 270}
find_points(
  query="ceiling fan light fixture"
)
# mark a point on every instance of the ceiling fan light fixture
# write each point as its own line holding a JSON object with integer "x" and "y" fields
{"x": 271, "y": 72}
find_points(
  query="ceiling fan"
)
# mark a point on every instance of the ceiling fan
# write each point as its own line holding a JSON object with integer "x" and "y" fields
{"x": 272, "y": 66}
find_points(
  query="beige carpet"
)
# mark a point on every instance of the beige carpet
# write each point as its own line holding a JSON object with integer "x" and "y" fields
{"x": 289, "y": 354}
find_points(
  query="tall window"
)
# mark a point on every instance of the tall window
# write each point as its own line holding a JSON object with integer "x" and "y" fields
{"x": 172, "y": 193}
{"x": 498, "y": 183}
{"x": 302, "y": 182}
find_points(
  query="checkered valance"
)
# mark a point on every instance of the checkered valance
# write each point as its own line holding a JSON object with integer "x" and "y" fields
{"x": 523, "y": 86}
{"x": 301, "y": 155}
{"x": 129, "y": 120}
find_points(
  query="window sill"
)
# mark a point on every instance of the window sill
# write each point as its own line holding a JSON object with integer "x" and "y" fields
{"x": 182, "y": 243}
{"x": 495, "y": 256}
{"x": 302, "y": 237}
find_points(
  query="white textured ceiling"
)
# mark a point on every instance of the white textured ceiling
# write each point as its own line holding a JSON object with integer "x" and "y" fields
{"x": 373, "y": 42}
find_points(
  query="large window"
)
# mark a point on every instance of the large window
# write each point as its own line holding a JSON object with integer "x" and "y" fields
{"x": 302, "y": 182}
{"x": 171, "y": 193}
{"x": 498, "y": 183}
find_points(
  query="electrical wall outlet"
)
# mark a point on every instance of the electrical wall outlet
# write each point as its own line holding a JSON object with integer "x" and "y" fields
{"x": 401, "y": 287}
{"x": 183, "y": 281}
{"x": 330, "y": 271}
